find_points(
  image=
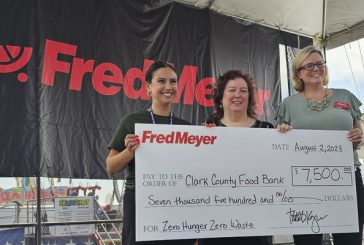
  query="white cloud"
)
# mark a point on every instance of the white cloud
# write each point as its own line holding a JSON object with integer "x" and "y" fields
{"x": 340, "y": 73}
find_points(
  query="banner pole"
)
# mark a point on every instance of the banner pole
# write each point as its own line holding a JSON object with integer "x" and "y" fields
{"x": 39, "y": 214}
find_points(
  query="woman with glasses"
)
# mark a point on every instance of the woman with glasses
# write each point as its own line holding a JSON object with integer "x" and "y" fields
{"x": 317, "y": 107}
{"x": 161, "y": 84}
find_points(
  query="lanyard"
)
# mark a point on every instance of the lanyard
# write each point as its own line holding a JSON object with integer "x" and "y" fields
{"x": 152, "y": 116}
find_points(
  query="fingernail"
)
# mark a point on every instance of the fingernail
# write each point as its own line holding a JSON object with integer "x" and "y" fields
{"x": 137, "y": 141}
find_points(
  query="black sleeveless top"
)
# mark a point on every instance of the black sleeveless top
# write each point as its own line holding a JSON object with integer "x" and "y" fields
{"x": 257, "y": 123}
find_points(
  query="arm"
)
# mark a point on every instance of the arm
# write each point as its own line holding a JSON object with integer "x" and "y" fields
{"x": 117, "y": 161}
{"x": 355, "y": 135}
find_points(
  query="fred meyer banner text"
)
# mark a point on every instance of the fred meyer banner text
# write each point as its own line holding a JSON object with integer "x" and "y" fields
{"x": 70, "y": 70}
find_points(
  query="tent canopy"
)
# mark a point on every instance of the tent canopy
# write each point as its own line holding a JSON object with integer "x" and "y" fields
{"x": 331, "y": 23}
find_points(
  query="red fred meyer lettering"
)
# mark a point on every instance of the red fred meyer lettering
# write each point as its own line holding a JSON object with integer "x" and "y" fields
{"x": 108, "y": 79}
{"x": 178, "y": 138}
{"x": 62, "y": 65}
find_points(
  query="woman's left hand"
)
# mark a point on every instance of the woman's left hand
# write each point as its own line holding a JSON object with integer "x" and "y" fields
{"x": 355, "y": 136}
{"x": 283, "y": 127}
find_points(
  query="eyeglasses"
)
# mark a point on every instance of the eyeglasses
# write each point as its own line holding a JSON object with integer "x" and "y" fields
{"x": 310, "y": 66}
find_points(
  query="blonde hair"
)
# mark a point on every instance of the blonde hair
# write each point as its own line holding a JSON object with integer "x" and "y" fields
{"x": 297, "y": 63}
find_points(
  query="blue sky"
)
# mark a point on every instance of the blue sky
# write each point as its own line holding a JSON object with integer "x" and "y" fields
{"x": 341, "y": 75}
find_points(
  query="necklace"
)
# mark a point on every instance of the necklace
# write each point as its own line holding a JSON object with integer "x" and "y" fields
{"x": 152, "y": 116}
{"x": 317, "y": 105}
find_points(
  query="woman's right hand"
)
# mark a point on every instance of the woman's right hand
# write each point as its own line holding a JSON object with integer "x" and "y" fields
{"x": 209, "y": 125}
{"x": 283, "y": 128}
{"x": 116, "y": 161}
{"x": 131, "y": 142}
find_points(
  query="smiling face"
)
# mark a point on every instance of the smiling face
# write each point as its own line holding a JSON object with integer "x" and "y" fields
{"x": 317, "y": 75}
{"x": 163, "y": 87}
{"x": 236, "y": 96}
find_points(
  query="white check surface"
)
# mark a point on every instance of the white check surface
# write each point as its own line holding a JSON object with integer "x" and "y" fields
{"x": 196, "y": 182}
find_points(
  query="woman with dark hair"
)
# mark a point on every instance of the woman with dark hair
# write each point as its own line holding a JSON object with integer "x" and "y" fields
{"x": 321, "y": 108}
{"x": 235, "y": 101}
{"x": 161, "y": 83}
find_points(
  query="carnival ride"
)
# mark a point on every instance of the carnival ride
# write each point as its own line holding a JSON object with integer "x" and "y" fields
{"x": 18, "y": 206}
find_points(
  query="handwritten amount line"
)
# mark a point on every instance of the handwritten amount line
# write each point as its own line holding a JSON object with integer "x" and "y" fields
{"x": 236, "y": 205}
{"x": 313, "y": 198}
{"x": 304, "y": 203}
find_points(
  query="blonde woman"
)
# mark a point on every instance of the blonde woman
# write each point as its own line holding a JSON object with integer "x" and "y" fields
{"x": 318, "y": 107}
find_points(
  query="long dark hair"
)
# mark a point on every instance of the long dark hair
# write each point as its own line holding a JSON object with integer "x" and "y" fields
{"x": 218, "y": 93}
{"x": 154, "y": 67}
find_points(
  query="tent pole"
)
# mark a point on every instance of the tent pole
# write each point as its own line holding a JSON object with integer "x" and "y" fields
{"x": 324, "y": 15}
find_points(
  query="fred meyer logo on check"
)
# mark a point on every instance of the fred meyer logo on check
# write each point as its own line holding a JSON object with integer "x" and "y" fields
{"x": 178, "y": 138}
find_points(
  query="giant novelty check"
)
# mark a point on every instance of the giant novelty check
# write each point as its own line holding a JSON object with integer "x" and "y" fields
{"x": 196, "y": 182}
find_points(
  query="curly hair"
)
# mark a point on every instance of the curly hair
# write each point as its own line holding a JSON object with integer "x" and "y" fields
{"x": 221, "y": 83}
